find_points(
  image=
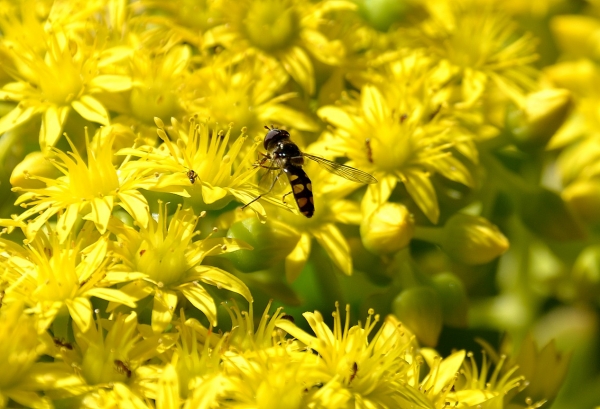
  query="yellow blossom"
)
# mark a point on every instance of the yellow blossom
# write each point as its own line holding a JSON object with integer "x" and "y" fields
{"x": 397, "y": 138}
{"x": 91, "y": 190}
{"x": 171, "y": 263}
{"x": 57, "y": 279}
{"x": 282, "y": 31}
{"x": 64, "y": 79}
{"x": 220, "y": 172}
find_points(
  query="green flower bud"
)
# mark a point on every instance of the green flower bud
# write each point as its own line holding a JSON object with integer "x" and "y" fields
{"x": 34, "y": 164}
{"x": 453, "y": 297}
{"x": 586, "y": 273}
{"x": 540, "y": 117}
{"x": 472, "y": 240}
{"x": 420, "y": 309}
{"x": 272, "y": 242}
{"x": 382, "y": 14}
{"x": 583, "y": 197}
{"x": 388, "y": 229}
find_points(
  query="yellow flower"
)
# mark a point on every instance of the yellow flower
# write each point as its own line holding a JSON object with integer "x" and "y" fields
{"x": 249, "y": 94}
{"x": 63, "y": 78}
{"x": 57, "y": 279}
{"x": 282, "y": 31}
{"x": 394, "y": 135}
{"x": 116, "y": 351}
{"x": 171, "y": 263}
{"x": 477, "y": 43}
{"x": 91, "y": 190}
{"x": 330, "y": 208}
{"x": 22, "y": 377}
{"x": 221, "y": 172}
{"x": 158, "y": 78}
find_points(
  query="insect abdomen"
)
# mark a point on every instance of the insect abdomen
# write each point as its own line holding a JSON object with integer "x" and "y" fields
{"x": 301, "y": 189}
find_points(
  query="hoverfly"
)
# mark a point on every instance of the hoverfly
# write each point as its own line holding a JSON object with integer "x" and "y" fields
{"x": 285, "y": 157}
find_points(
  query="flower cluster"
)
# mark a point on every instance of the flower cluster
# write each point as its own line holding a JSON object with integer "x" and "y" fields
{"x": 450, "y": 150}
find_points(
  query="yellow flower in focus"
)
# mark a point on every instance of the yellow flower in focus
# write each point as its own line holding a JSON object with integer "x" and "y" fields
{"x": 90, "y": 190}
{"x": 282, "y": 31}
{"x": 390, "y": 133}
{"x": 64, "y": 78}
{"x": 171, "y": 262}
{"x": 330, "y": 208}
{"x": 57, "y": 279}
{"x": 221, "y": 172}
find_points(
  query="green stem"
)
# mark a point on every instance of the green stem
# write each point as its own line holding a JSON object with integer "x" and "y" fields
{"x": 428, "y": 234}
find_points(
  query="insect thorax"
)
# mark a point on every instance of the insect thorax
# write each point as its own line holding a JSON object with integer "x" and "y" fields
{"x": 287, "y": 151}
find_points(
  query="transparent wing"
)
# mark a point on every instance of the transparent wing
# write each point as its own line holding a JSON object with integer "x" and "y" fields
{"x": 344, "y": 171}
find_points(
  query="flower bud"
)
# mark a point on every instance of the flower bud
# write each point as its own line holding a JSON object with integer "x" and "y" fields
{"x": 34, "y": 164}
{"x": 382, "y": 14}
{"x": 272, "y": 242}
{"x": 472, "y": 240}
{"x": 388, "y": 229}
{"x": 420, "y": 309}
{"x": 586, "y": 273}
{"x": 540, "y": 117}
{"x": 583, "y": 196}
{"x": 453, "y": 297}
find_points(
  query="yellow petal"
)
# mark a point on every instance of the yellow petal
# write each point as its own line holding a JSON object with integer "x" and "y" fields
{"x": 211, "y": 194}
{"x": 221, "y": 279}
{"x": 446, "y": 371}
{"x": 66, "y": 221}
{"x": 379, "y": 193}
{"x": 421, "y": 190}
{"x": 162, "y": 311}
{"x": 168, "y": 389}
{"x": 91, "y": 109}
{"x": 111, "y": 294}
{"x": 21, "y": 113}
{"x": 176, "y": 60}
{"x": 296, "y": 260}
{"x": 453, "y": 169}
{"x": 373, "y": 104}
{"x": 80, "y": 310}
{"x": 336, "y": 117}
{"x": 52, "y": 125}
{"x": 101, "y": 210}
{"x": 134, "y": 203}
{"x": 298, "y": 65}
{"x": 136, "y": 290}
{"x": 201, "y": 299}
{"x": 336, "y": 246}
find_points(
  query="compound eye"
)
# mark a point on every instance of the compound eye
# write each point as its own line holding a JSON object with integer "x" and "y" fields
{"x": 274, "y": 136}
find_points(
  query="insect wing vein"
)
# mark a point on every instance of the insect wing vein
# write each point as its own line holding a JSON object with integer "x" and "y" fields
{"x": 344, "y": 171}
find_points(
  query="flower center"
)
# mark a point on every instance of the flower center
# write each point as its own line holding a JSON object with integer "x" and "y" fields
{"x": 153, "y": 101}
{"x": 271, "y": 25}
{"x": 164, "y": 264}
{"x": 391, "y": 147}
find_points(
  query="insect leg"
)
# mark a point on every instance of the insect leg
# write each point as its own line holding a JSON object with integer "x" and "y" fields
{"x": 288, "y": 193}
{"x": 268, "y": 191}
